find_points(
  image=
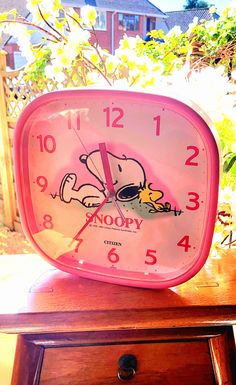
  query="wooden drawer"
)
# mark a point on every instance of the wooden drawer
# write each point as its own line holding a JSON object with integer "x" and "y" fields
{"x": 158, "y": 363}
{"x": 178, "y": 356}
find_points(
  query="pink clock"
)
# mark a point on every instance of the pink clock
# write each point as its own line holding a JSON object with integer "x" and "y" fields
{"x": 118, "y": 186}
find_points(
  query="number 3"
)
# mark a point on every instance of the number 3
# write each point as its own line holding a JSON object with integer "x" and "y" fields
{"x": 194, "y": 200}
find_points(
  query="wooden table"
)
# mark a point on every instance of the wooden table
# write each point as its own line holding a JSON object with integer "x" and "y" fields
{"x": 82, "y": 332}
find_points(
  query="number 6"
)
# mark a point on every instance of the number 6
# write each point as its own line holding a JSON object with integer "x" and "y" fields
{"x": 112, "y": 256}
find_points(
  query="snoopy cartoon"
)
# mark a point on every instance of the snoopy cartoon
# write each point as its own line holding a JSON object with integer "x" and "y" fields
{"x": 129, "y": 181}
{"x": 128, "y": 176}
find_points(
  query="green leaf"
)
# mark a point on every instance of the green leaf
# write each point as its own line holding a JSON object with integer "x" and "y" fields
{"x": 230, "y": 163}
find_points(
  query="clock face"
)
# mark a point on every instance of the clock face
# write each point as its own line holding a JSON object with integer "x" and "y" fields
{"x": 118, "y": 186}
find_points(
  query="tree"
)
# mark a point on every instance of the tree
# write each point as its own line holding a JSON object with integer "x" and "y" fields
{"x": 196, "y": 4}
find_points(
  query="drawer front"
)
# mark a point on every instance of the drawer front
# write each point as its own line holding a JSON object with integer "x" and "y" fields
{"x": 159, "y": 363}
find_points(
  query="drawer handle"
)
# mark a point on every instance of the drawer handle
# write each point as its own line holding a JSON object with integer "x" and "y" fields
{"x": 127, "y": 367}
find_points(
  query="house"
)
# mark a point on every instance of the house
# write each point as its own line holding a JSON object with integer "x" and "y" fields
{"x": 14, "y": 58}
{"x": 115, "y": 18}
{"x": 185, "y": 17}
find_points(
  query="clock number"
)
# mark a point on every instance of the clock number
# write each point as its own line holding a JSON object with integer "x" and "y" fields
{"x": 114, "y": 122}
{"x": 157, "y": 119}
{"x": 184, "y": 242}
{"x": 112, "y": 256}
{"x": 80, "y": 240}
{"x": 42, "y": 182}
{"x": 47, "y": 223}
{"x": 189, "y": 161}
{"x": 194, "y": 200}
{"x": 73, "y": 120}
{"x": 47, "y": 143}
{"x": 152, "y": 257}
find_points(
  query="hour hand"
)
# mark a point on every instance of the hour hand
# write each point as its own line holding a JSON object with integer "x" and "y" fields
{"x": 106, "y": 168}
{"x": 108, "y": 177}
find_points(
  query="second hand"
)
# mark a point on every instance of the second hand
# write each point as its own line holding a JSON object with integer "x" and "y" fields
{"x": 75, "y": 238}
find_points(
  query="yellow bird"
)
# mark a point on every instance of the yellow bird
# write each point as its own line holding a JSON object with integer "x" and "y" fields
{"x": 151, "y": 197}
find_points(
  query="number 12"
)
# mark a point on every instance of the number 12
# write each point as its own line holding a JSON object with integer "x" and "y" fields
{"x": 111, "y": 120}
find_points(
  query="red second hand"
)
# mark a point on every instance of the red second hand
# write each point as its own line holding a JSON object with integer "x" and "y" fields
{"x": 91, "y": 218}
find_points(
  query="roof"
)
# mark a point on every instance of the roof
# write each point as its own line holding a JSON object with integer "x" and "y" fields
{"x": 142, "y": 7}
{"x": 184, "y": 17}
{"x": 19, "y": 5}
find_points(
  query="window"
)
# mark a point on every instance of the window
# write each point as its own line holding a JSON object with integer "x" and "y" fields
{"x": 19, "y": 60}
{"x": 128, "y": 22}
{"x": 151, "y": 23}
{"x": 101, "y": 22}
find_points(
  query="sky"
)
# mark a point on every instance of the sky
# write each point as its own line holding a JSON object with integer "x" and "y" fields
{"x": 177, "y": 5}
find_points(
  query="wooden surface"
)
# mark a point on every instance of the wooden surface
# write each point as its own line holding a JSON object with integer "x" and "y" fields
{"x": 35, "y": 298}
{"x": 73, "y": 329}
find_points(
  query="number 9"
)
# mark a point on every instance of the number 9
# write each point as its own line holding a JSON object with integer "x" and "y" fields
{"x": 42, "y": 182}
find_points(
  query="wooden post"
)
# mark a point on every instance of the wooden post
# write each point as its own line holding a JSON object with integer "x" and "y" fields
{"x": 6, "y": 167}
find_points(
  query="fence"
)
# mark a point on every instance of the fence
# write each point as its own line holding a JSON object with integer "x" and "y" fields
{"x": 15, "y": 94}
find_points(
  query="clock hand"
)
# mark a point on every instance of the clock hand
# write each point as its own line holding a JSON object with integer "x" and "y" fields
{"x": 91, "y": 218}
{"x": 107, "y": 171}
{"x": 106, "y": 168}
{"x": 118, "y": 208}
{"x": 108, "y": 177}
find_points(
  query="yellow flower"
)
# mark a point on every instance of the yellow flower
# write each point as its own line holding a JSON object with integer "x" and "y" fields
{"x": 89, "y": 15}
{"x": 227, "y": 195}
{"x": 55, "y": 72}
{"x": 124, "y": 43}
{"x": 92, "y": 56}
{"x": 142, "y": 65}
{"x": 111, "y": 64}
{"x": 129, "y": 43}
{"x": 64, "y": 60}
{"x": 34, "y": 3}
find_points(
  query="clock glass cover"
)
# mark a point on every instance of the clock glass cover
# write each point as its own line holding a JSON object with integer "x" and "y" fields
{"x": 118, "y": 186}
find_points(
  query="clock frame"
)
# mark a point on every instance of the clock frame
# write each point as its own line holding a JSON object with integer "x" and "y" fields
{"x": 119, "y": 186}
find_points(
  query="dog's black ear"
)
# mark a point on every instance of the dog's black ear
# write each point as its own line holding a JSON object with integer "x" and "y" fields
{"x": 83, "y": 158}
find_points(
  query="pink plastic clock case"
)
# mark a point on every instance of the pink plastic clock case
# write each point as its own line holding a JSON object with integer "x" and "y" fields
{"x": 25, "y": 204}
